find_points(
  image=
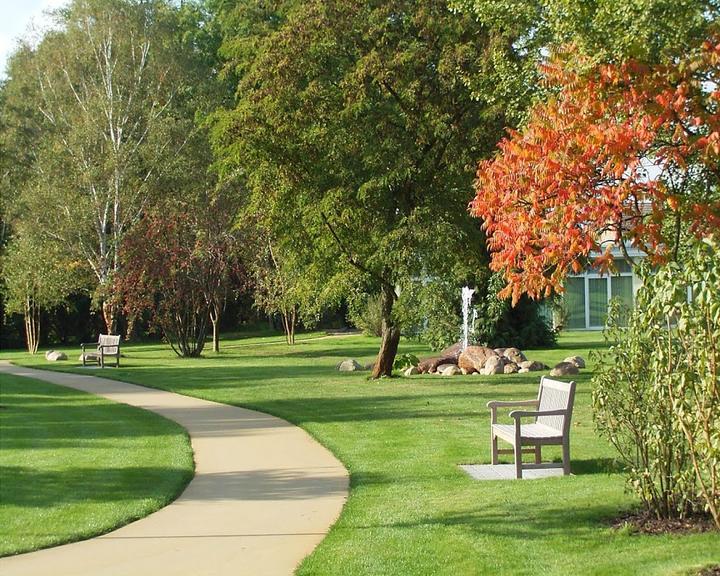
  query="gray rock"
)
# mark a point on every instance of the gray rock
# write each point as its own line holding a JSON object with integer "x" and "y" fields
{"x": 54, "y": 356}
{"x": 523, "y": 370}
{"x": 510, "y": 368}
{"x": 564, "y": 369}
{"x": 576, "y": 360}
{"x": 500, "y": 351}
{"x": 493, "y": 368}
{"x": 532, "y": 365}
{"x": 514, "y": 355}
{"x": 412, "y": 371}
{"x": 47, "y": 354}
{"x": 494, "y": 362}
{"x": 348, "y": 365}
{"x": 450, "y": 370}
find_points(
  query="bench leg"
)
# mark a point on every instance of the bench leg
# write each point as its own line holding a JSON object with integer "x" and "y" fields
{"x": 493, "y": 448}
{"x": 566, "y": 457}
{"x": 538, "y": 456}
{"x": 518, "y": 460}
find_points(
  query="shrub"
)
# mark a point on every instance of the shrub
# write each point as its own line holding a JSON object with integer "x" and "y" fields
{"x": 657, "y": 393}
{"x": 366, "y": 315}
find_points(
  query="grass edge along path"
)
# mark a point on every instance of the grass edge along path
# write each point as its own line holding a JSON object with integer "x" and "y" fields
{"x": 411, "y": 511}
{"x": 74, "y": 465}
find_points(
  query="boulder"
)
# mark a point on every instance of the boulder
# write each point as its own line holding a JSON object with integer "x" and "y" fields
{"x": 450, "y": 370}
{"x": 576, "y": 360}
{"x": 500, "y": 351}
{"x": 532, "y": 365}
{"x": 474, "y": 357}
{"x": 442, "y": 367}
{"x": 514, "y": 355}
{"x": 493, "y": 363}
{"x": 412, "y": 371}
{"x": 452, "y": 351}
{"x": 47, "y": 354}
{"x": 348, "y": 365}
{"x": 54, "y": 356}
{"x": 523, "y": 370}
{"x": 510, "y": 368}
{"x": 465, "y": 371}
{"x": 429, "y": 365}
{"x": 564, "y": 369}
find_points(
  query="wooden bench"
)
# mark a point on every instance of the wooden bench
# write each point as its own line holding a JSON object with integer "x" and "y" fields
{"x": 108, "y": 346}
{"x": 551, "y": 426}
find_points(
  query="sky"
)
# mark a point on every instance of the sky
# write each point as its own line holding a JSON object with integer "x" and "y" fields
{"x": 16, "y": 19}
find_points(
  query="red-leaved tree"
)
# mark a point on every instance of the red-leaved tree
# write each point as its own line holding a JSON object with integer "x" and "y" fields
{"x": 179, "y": 264}
{"x": 577, "y": 174}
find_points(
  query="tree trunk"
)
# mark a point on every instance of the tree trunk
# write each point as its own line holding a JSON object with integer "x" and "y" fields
{"x": 32, "y": 326}
{"x": 110, "y": 313}
{"x": 390, "y": 335}
{"x": 215, "y": 319}
{"x": 289, "y": 320}
{"x": 130, "y": 330}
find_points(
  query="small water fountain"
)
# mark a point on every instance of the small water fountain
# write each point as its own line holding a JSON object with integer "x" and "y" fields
{"x": 468, "y": 327}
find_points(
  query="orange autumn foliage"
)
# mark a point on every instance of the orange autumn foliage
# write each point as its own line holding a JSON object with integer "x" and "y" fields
{"x": 578, "y": 171}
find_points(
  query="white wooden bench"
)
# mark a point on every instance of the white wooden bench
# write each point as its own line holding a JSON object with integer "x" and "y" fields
{"x": 108, "y": 346}
{"x": 551, "y": 426}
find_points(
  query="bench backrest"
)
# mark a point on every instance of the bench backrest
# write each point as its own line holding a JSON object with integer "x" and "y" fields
{"x": 111, "y": 342}
{"x": 556, "y": 395}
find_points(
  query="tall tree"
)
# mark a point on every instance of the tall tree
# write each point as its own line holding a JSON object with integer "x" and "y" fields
{"x": 355, "y": 134}
{"x": 114, "y": 85}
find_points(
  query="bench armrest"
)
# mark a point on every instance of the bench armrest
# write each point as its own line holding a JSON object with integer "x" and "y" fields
{"x": 495, "y": 404}
{"x": 517, "y": 414}
{"x": 504, "y": 404}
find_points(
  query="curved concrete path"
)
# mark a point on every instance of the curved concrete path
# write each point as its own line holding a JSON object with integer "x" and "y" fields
{"x": 263, "y": 496}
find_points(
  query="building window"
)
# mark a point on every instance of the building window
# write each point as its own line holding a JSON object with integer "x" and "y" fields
{"x": 587, "y": 296}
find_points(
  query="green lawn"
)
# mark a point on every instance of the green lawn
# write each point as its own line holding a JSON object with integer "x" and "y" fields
{"x": 411, "y": 510}
{"x": 73, "y": 465}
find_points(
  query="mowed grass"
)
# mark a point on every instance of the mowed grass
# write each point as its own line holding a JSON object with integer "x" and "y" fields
{"x": 73, "y": 465}
{"x": 412, "y": 511}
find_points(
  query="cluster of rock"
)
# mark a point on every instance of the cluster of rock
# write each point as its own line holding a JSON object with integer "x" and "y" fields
{"x": 55, "y": 356}
{"x": 487, "y": 361}
{"x": 478, "y": 360}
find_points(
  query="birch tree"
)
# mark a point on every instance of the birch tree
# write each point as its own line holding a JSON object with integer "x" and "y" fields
{"x": 112, "y": 87}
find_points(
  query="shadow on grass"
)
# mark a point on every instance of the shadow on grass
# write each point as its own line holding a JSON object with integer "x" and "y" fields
{"x": 498, "y": 521}
{"x": 36, "y": 488}
{"x": 597, "y": 466}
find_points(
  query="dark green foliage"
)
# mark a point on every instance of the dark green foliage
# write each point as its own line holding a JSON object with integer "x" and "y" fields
{"x": 501, "y": 325}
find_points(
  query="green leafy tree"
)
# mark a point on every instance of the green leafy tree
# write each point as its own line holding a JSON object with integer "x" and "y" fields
{"x": 38, "y": 275}
{"x": 356, "y": 134}
{"x": 657, "y": 392}
{"x": 115, "y": 86}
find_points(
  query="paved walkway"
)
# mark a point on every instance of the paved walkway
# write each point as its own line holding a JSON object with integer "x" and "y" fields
{"x": 263, "y": 496}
